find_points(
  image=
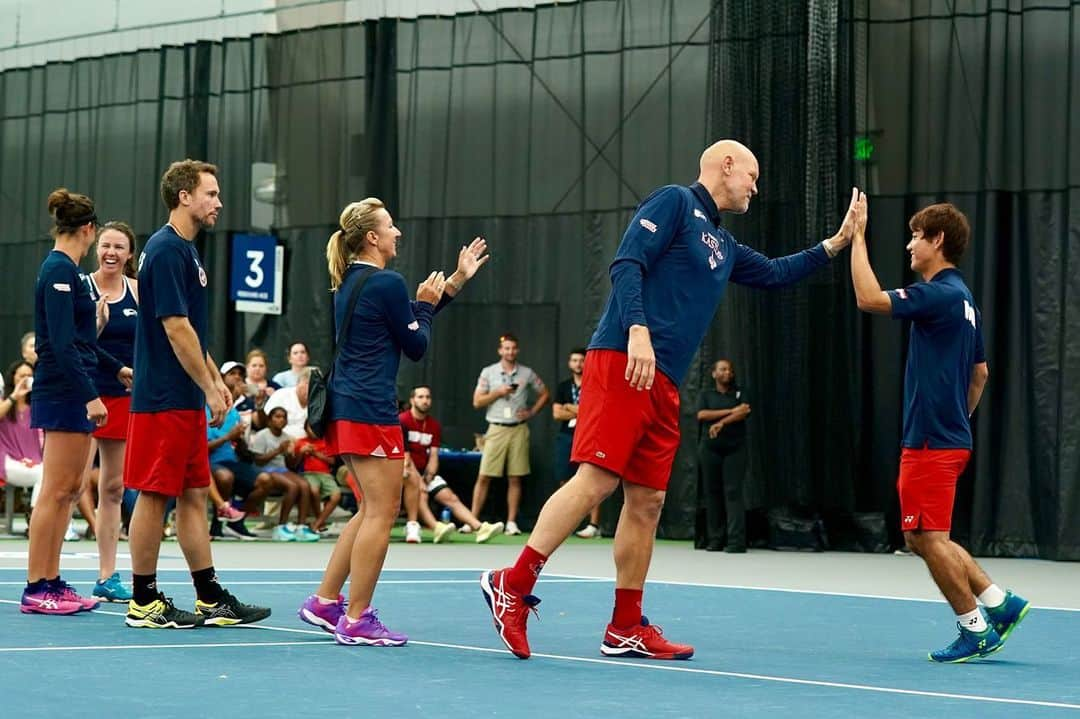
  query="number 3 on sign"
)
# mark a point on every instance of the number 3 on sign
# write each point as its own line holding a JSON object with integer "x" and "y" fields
{"x": 254, "y": 277}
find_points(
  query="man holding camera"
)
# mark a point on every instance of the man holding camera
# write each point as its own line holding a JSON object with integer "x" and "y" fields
{"x": 503, "y": 391}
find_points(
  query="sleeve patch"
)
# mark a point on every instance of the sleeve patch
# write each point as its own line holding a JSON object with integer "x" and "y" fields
{"x": 414, "y": 325}
{"x": 647, "y": 224}
{"x": 62, "y": 287}
{"x": 902, "y": 294}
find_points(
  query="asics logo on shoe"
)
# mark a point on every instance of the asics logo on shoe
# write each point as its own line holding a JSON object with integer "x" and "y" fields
{"x": 46, "y": 603}
{"x": 631, "y": 642}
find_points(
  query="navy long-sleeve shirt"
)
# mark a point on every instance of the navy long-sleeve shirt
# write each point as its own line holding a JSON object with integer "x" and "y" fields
{"x": 671, "y": 270}
{"x": 65, "y": 325}
{"x": 385, "y": 325}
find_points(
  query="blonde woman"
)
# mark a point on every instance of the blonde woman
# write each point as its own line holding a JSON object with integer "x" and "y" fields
{"x": 364, "y": 428}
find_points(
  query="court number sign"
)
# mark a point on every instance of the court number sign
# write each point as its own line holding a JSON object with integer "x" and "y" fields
{"x": 258, "y": 266}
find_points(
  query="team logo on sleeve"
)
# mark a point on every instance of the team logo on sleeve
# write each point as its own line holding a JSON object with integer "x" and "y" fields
{"x": 61, "y": 287}
{"x": 647, "y": 224}
{"x": 699, "y": 214}
{"x": 414, "y": 325}
{"x": 902, "y": 294}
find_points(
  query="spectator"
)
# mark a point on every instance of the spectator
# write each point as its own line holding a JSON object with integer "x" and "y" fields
{"x": 258, "y": 388}
{"x": 230, "y": 475}
{"x": 28, "y": 347}
{"x": 298, "y": 361}
{"x": 20, "y": 445}
{"x": 722, "y": 455}
{"x": 503, "y": 389}
{"x": 273, "y": 449}
{"x": 294, "y": 401}
{"x": 423, "y": 437}
{"x": 316, "y": 464}
{"x": 564, "y": 410}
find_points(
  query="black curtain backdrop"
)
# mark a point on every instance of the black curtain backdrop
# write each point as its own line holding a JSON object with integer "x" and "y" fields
{"x": 542, "y": 129}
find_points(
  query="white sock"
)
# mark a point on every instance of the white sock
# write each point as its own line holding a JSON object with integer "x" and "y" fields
{"x": 992, "y": 596}
{"x": 973, "y": 621}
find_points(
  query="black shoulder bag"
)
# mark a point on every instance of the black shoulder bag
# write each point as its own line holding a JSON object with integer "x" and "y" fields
{"x": 318, "y": 407}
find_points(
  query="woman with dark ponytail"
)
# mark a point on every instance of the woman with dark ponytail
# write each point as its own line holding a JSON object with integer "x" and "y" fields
{"x": 65, "y": 403}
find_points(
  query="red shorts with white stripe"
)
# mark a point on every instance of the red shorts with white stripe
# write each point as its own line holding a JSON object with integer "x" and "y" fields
{"x": 166, "y": 452}
{"x": 631, "y": 433}
{"x": 367, "y": 440}
{"x": 927, "y": 487}
{"x": 116, "y": 425}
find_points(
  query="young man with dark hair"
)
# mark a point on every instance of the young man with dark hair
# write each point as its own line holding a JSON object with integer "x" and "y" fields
{"x": 943, "y": 382}
{"x": 177, "y": 381}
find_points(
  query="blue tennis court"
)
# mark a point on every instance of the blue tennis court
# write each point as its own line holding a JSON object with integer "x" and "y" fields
{"x": 759, "y": 652}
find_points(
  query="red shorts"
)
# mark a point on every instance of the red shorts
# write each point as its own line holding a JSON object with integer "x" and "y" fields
{"x": 116, "y": 425}
{"x": 927, "y": 487}
{"x": 367, "y": 440}
{"x": 631, "y": 433}
{"x": 166, "y": 452}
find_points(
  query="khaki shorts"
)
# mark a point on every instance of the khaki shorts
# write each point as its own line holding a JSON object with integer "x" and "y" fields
{"x": 322, "y": 482}
{"x": 505, "y": 448}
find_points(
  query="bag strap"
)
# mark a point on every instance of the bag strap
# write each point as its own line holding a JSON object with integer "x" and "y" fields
{"x": 367, "y": 272}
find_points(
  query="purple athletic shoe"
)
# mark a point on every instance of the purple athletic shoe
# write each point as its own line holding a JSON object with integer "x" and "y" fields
{"x": 47, "y": 600}
{"x": 367, "y": 630}
{"x": 322, "y": 615}
{"x": 68, "y": 593}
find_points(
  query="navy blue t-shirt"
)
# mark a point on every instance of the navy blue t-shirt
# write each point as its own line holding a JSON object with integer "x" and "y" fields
{"x": 65, "y": 325}
{"x": 670, "y": 272}
{"x": 172, "y": 283}
{"x": 385, "y": 324}
{"x": 117, "y": 338}
{"x": 944, "y": 346}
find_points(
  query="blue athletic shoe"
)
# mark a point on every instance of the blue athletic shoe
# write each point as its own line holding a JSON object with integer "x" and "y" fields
{"x": 1008, "y": 615}
{"x": 969, "y": 645}
{"x": 112, "y": 589}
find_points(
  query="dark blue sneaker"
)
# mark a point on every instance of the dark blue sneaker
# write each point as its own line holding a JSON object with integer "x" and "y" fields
{"x": 969, "y": 645}
{"x": 1006, "y": 617}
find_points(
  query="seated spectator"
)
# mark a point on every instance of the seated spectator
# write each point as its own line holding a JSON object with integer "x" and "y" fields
{"x": 315, "y": 463}
{"x": 294, "y": 401}
{"x": 20, "y": 445}
{"x": 232, "y": 477}
{"x": 28, "y": 347}
{"x": 423, "y": 436}
{"x": 258, "y": 388}
{"x": 272, "y": 447}
{"x": 297, "y": 358}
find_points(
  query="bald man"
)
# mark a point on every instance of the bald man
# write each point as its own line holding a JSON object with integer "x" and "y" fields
{"x": 667, "y": 278}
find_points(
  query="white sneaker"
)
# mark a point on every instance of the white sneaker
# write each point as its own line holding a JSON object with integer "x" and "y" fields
{"x": 72, "y": 535}
{"x": 511, "y": 529}
{"x": 412, "y": 533}
{"x": 589, "y": 532}
{"x": 443, "y": 530}
{"x": 464, "y": 529}
{"x": 486, "y": 530}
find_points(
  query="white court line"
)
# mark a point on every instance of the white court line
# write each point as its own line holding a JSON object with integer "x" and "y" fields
{"x": 551, "y": 577}
{"x": 126, "y": 647}
{"x": 582, "y": 660}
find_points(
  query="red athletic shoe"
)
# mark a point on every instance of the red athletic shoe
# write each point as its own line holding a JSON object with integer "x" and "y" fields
{"x": 509, "y": 610}
{"x": 645, "y": 641}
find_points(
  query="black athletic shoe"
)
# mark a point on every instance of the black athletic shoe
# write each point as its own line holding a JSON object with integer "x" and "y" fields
{"x": 238, "y": 530}
{"x": 160, "y": 614}
{"x": 228, "y": 611}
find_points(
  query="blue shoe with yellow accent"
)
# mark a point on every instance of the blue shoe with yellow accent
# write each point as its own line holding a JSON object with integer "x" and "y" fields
{"x": 112, "y": 589}
{"x": 1006, "y": 617}
{"x": 969, "y": 645}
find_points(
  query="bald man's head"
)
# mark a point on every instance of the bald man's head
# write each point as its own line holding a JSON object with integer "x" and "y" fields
{"x": 729, "y": 171}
